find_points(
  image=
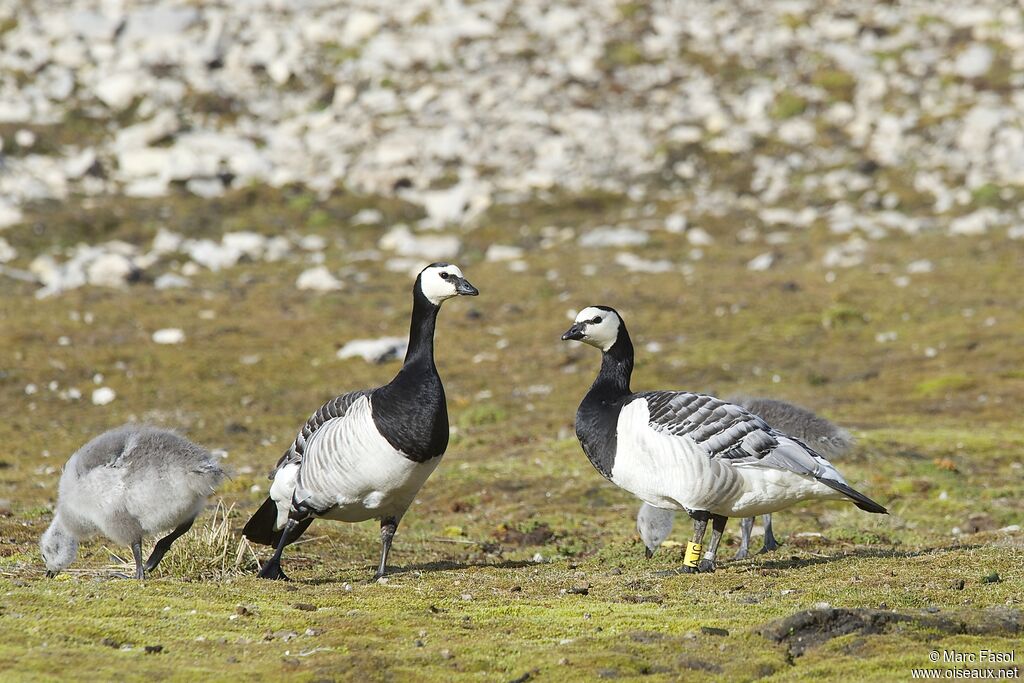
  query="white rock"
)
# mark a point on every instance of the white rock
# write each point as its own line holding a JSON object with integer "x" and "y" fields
{"x": 359, "y": 26}
{"x": 634, "y": 263}
{"x": 207, "y": 188}
{"x": 977, "y": 223}
{"x": 7, "y": 252}
{"x": 699, "y": 237}
{"x": 210, "y": 254}
{"x": 974, "y": 62}
{"x": 427, "y": 247}
{"x": 276, "y": 248}
{"x": 110, "y": 270}
{"x": 318, "y": 279}
{"x": 25, "y": 138}
{"x": 162, "y": 125}
{"x": 502, "y": 252}
{"x": 118, "y": 90}
{"x": 367, "y": 217}
{"x": 761, "y": 262}
{"x": 374, "y": 350}
{"x": 103, "y": 396}
{"x": 249, "y": 244}
{"x": 166, "y": 241}
{"x": 675, "y": 223}
{"x": 81, "y": 163}
{"x": 9, "y": 214}
{"x": 920, "y": 266}
{"x": 847, "y": 255}
{"x": 169, "y": 335}
{"x": 171, "y": 281}
{"x": 612, "y": 237}
{"x": 313, "y": 242}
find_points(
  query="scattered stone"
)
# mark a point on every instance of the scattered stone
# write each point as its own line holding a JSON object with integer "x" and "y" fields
{"x": 501, "y": 252}
{"x": 612, "y": 237}
{"x": 169, "y": 335}
{"x": 761, "y": 262}
{"x": 318, "y": 279}
{"x": 7, "y": 252}
{"x": 374, "y": 350}
{"x": 428, "y": 247}
{"x": 635, "y": 264}
{"x": 103, "y": 396}
{"x": 171, "y": 281}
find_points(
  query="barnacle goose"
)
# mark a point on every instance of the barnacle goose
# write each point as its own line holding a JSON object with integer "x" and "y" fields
{"x": 689, "y": 451}
{"x": 365, "y": 454}
{"x": 829, "y": 440}
{"x": 126, "y": 483}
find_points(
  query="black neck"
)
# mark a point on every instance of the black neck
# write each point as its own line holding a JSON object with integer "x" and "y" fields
{"x": 421, "y": 330}
{"x": 616, "y": 367}
{"x": 410, "y": 411}
{"x": 598, "y": 415}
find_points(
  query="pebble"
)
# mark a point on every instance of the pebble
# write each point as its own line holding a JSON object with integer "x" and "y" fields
{"x": 374, "y": 350}
{"x": 169, "y": 335}
{"x": 318, "y": 279}
{"x": 612, "y": 237}
{"x": 103, "y": 396}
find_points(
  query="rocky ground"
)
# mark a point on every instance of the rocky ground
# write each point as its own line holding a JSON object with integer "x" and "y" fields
{"x": 209, "y": 217}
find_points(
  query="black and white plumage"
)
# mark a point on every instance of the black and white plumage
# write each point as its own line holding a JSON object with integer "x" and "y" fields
{"x": 688, "y": 451}
{"x": 364, "y": 455}
{"x": 655, "y": 524}
{"x": 127, "y": 483}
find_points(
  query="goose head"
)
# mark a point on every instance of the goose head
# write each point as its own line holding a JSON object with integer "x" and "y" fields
{"x": 441, "y": 281}
{"x": 59, "y": 547}
{"x": 595, "y": 325}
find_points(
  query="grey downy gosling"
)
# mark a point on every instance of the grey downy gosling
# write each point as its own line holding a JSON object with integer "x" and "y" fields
{"x": 687, "y": 451}
{"x": 655, "y": 524}
{"x": 365, "y": 454}
{"x": 127, "y": 483}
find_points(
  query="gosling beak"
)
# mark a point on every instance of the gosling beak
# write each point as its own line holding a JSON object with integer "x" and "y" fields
{"x": 50, "y": 574}
{"x": 648, "y": 553}
{"x": 574, "y": 333}
{"x": 463, "y": 288}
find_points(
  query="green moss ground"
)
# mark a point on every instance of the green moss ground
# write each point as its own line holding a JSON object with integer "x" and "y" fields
{"x": 940, "y": 443}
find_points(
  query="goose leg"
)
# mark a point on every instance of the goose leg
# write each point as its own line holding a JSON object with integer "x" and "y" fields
{"x": 717, "y": 528}
{"x": 388, "y": 527}
{"x": 700, "y": 525}
{"x": 272, "y": 569}
{"x": 770, "y": 543}
{"x": 137, "y": 554}
{"x": 746, "y": 527}
{"x": 164, "y": 544}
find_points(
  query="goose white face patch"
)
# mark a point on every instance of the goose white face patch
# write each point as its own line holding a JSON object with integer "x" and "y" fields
{"x": 438, "y": 282}
{"x": 600, "y": 327}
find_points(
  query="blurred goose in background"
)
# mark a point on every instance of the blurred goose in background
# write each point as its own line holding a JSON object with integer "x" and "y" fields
{"x": 686, "y": 451}
{"x": 365, "y": 454}
{"x": 829, "y": 440}
{"x": 127, "y": 483}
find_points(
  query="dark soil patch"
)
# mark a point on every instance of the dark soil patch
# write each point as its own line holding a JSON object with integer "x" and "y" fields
{"x": 805, "y": 630}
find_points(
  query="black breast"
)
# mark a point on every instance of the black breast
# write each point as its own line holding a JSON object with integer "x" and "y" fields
{"x": 412, "y": 415}
{"x": 596, "y": 424}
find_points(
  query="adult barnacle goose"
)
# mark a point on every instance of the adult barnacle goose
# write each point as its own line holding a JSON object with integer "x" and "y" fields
{"x": 829, "y": 440}
{"x": 689, "y": 451}
{"x": 365, "y": 454}
{"x": 125, "y": 483}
